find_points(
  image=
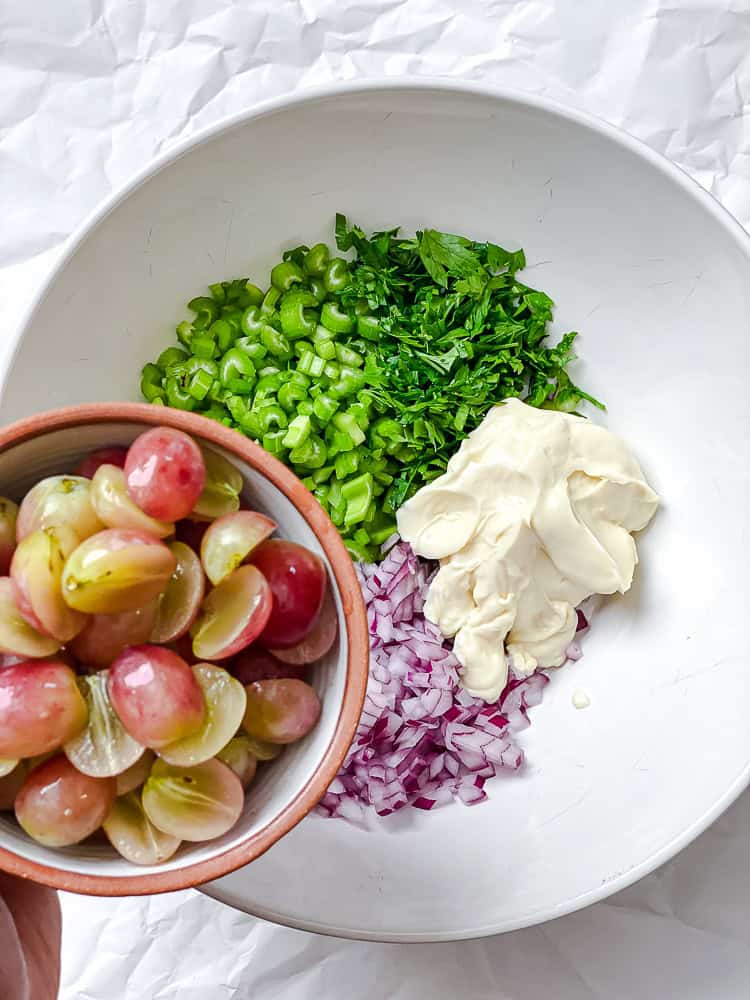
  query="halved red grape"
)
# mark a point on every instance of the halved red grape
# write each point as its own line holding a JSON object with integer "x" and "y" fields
{"x": 238, "y": 755}
{"x": 179, "y": 604}
{"x": 318, "y": 642}
{"x": 116, "y": 570}
{"x": 136, "y": 774}
{"x": 106, "y": 636}
{"x": 7, "y": 765}
{"x": 221, "y": 492}
{"x": 10, "y": 786}
{"x": 230, "y": 540}
{"x": 8, "y": 659}
{"x": 281, "y": 710}
{"x": 36, "y": 572}
{"x": 165, "y": 473}
{"x": 17, "y": 637}
{"x": 8, "y": 518}
{"x": 61, "y": 656}
{"x": 262, "y": 749}
{"x": 58, "y": 806}
{"x": 297, "y": 579}
{"x": 232, "y": 616}
{"x": 113, "y": 506}
{"x": 193, "y": 803}
{"x": 258, "y": 664}
{"x": 156, "y": 695}
{"x": 40, "y": 708}
{"x": 225, "y": 706}
{"x": 104, "y": 748}
{"x": 58, "y": 500}
{"x": 115, "y": 455}
{"x": 134, "y": 836}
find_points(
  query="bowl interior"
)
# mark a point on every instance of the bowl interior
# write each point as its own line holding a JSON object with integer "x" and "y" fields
{"x": 657, "y": 281}
{"x": 278, "y": 782}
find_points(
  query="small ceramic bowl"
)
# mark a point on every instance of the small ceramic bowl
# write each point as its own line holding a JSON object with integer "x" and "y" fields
{"x": 286, "y": 790}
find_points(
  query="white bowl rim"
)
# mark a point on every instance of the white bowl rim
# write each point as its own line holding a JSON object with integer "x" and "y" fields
{"x": 448, "y": 86}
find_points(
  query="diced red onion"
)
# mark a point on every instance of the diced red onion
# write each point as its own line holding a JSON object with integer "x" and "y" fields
{"x": 422, "y": 739}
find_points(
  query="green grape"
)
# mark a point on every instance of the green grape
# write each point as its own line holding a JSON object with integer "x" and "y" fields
{"x": 280, "y": 710}
{"x": 136, "y": 774}
{"x": 58, "y": 500}
{"x": 36, "y": 572}
{"x": 238, "y": 755}
{"x": 134, "y": 836}
{"x": 193, "y": 803}
{"x": 116, "y": 570}
{"x": 104, "y": 748}
{"x": 114, "y": 507}
{"x": 229, "y": 541}
{"x": 221, "y": 493}
{"x": 179, "y": 604}
{"x": 225, "y": 706}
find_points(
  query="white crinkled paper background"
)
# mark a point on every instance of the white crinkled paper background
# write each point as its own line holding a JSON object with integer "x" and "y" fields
{"x": 90, "y": 91}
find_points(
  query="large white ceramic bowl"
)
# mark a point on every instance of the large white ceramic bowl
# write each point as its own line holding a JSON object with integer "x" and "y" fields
{"x": 656, "y": 277}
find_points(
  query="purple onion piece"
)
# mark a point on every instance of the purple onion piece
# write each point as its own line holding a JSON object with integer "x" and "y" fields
{"x": 422, "y": 739}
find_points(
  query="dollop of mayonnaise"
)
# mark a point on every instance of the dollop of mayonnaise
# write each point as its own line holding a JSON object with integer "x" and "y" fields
{"x": 533, "y": 515}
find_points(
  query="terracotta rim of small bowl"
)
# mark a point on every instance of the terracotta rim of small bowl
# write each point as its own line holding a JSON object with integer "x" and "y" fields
{"x": 357, "y": 661}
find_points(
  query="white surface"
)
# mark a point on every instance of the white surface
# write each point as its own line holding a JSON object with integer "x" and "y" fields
{"x": 276, "y": 785}
{"x": 678, "y": 78}
{"x": 596, "y": 806}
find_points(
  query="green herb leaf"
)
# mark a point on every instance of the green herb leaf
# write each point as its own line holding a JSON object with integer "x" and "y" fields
{"x": 445, "y": 255}
{"x": 509, "y": 260}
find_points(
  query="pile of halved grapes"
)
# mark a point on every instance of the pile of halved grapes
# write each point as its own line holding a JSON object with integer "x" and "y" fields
{"x": 123, "y": 586}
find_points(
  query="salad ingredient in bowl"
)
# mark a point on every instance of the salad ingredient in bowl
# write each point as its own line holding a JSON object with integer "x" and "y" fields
{"x": 378, "y": 380}
{"x": 365, "y": 375}
{"x": 422, "y": 740}
{"x": 106, "y": 719}
{"x": 533, "y": 516}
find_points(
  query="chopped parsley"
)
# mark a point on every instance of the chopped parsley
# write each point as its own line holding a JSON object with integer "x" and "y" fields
{"x": 458, "y": 332}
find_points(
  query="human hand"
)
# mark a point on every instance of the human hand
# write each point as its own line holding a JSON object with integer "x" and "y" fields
{"x": 30, "y": 933}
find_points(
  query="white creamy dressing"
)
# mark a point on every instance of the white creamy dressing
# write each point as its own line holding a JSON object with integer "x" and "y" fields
{"x": 533, "y": 515}
{"x": 580, "y": 699}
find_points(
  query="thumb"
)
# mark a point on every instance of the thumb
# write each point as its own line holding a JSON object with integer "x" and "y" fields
{"x": 35, "y": 911}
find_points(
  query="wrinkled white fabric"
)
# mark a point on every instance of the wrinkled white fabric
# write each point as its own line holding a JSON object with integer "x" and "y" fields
{"x": 682, "y": 933}
{"x": 90, "y": 91}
